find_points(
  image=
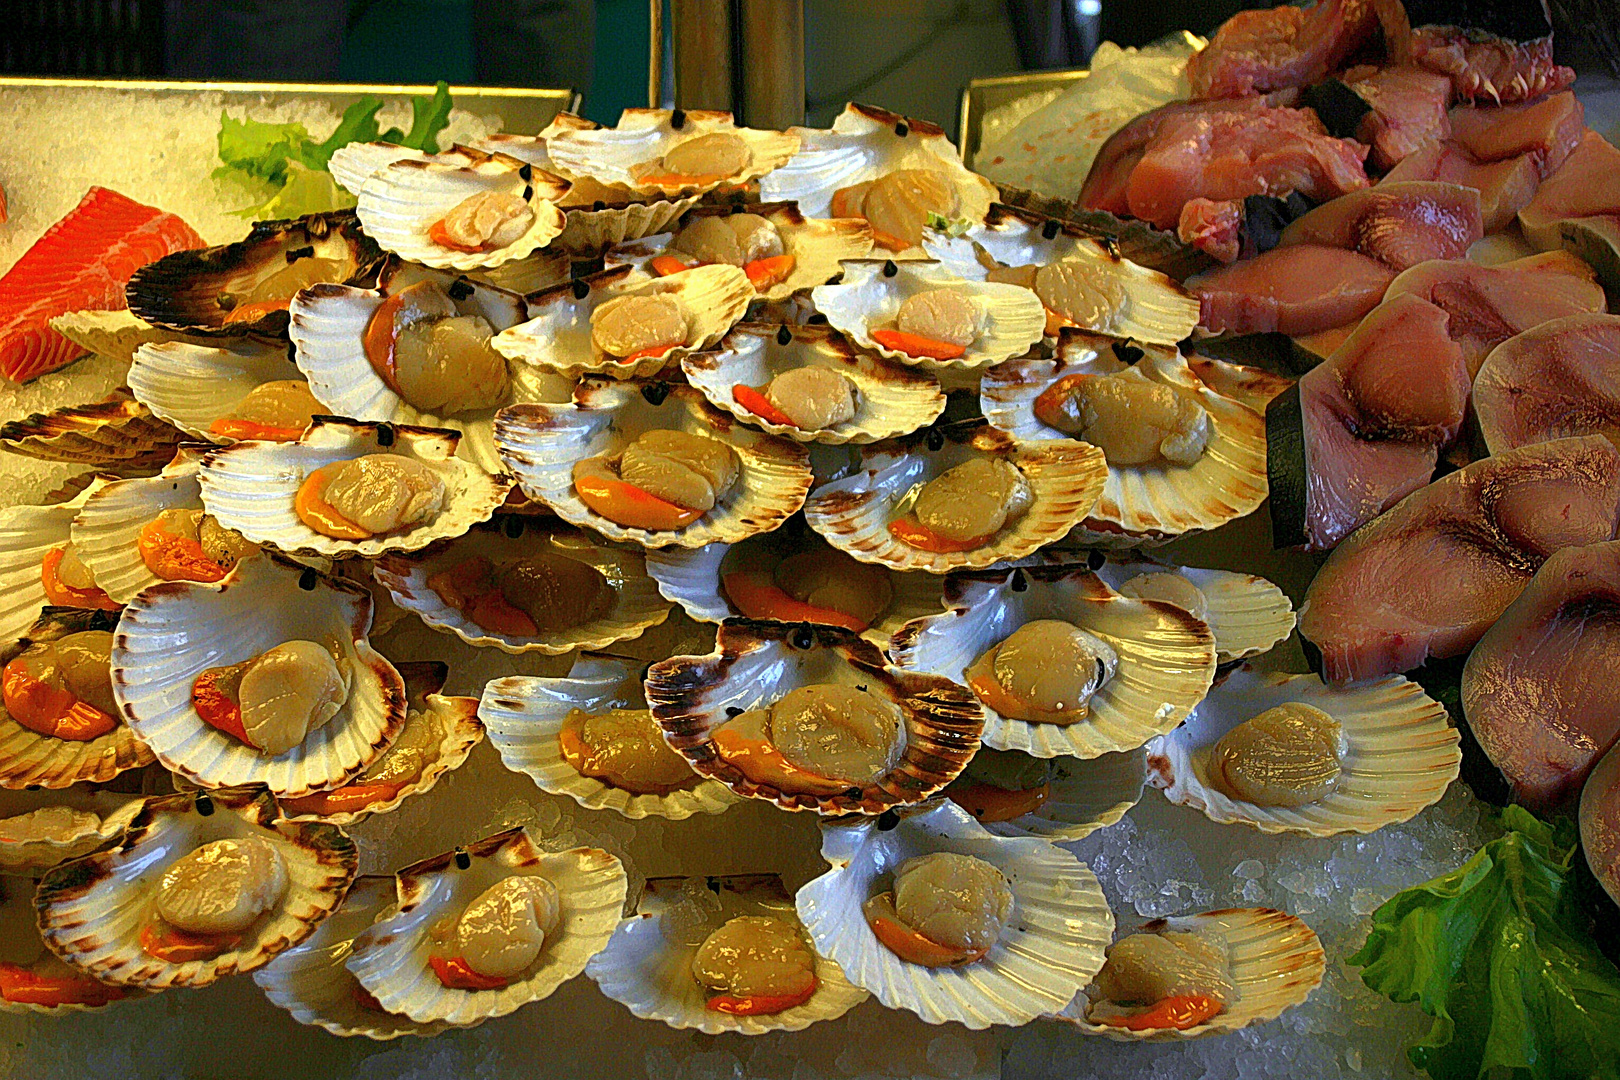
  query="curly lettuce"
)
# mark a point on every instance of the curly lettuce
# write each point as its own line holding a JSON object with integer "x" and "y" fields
{"x": 1497, "y": 952}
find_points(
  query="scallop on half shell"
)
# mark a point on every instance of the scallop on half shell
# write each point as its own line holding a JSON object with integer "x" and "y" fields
{"x": 854, "y": 513}
{"x": 1275, "y": 962}
{"x": 27, "y": 535}
{"x": 889, "y": 399}
{"x": 636, "y": 604}
{"x": 558, "y": 335}
{"x": 1166, "y": 656}
{"x": 1155, "y": 501}
{"x": 816, "y": 245}
{"x": 1008, "y": 319}
{"x": 632, "y": 154}
{"x": 391, "y": 959}
{"x": 92, "y": 910}
{"x": 252, "y": 487}
{"x": 1050, "y": 947}
{"x": 756, "y": 663}
{"x": 439, "y": 733}
{"x": 525, "y": 714}
{"x": 867, "y": 143}
{"x": 1090, "y": 285}
{"x": 23, "y": 955}
{"x": 1397, "y": 752}
{"x": 401, "y": 202}
{"x": 1084, "y": 794}
{"x": 115, "y": 334}
{"x": 193, "y": 386}
{"x": 117, "y": 433}
{"x": 39, "y": 829}
{"x": 174, "y": 631}
{"x": 329, "y": 329}
{"x": 541, "y": 443}
{"x": 1247, "y": 614}
{"x": 312, "y": 983}
{"x": 647, "y": 966}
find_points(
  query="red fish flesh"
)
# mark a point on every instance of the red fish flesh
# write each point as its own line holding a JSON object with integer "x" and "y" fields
{"x": 1399, "y": 224}
{"x": 1502, "y": 52}
{"x": 1547, "y": 130}
{"x": 1539, "y": 689}
{"x": 1489, "y": 304}
{"x": 1557, "y": 379}
{"x": 1578, "y": 207}
{"x": 1408, "y": 110}
{"x": 1213, "y": 227}
{"x": 1227, "y": 154}
{"x": 1374, "y": 417}
{"x": 1429, "y": 576}
{"x": 81, "y": 263}
{"x": 1292, "y": 290}
{"x": 1504, "y": 187}
{"x": 1257, "y": 51}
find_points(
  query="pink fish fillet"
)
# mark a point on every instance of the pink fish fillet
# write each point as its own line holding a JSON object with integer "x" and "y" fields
{"x": 1559, "y": 378}
{"x": 1270, "y": 49}
{"x": 1294, "y": 290}
{"x": 1400, "y": 225}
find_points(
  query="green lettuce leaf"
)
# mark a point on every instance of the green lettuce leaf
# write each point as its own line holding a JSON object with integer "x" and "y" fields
{"x": 259, "y": 149}
{"x": 1497, "y": 953}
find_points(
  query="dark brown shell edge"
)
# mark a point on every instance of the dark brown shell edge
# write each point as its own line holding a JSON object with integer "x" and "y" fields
{"x": 117, "y": 432}
{"x": 180, "y": 292}
{"x": 943, "y": 719}
{"x": 1137, "y": 241}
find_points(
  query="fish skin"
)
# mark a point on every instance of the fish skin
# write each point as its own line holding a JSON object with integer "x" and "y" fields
{"x": 1429, "y": 576}
{"x": 81, "y": 263}
{"x": 1293, "y": 290}
{"x": 1399, "y": 224}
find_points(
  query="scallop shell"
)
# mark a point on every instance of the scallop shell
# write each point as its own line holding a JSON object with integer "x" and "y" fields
{"x": 1156, "y": 249}
{"x": 186, "y": 292}
{"x": 1246, "y": 613}
{"x": 91, "y": 910}
{"x": 26, "y": 534}
{"x": 117, "y": 433}
{"x": 611, "y": 155}
{"x": 1276, "y": 962}
{"x": 1401, "y": 752}
{"x": 637, "y": 608}
{"x": 457, "y": 719}
{"x": 250, "y": 487}
{"x": 114, "y": 810}
{"x": 1011, "y": 318}
{"x": 25, "y": 948}
{"x": 890, "y": 400}
{"x": 650, "y": 974}
{"x": 174, "y": 631}
{"x": 352, "y": 165}
{"x": 311, "y": 982}
{"x": 107, "y": 528}
{"x": 113, "y": 334}
{"x": 1052, "y": 946}
{"x": 1156, "y": 309}
{"x": 328, "y": 332}
{"x": 542, "y": 270}
{"x": 853, "y": 513}
{"x": 391, "y": 959}
{"x": 400, "y": 201}
{"x": 1087, "y": 794}
{"x": 525, "y": 713}
{"x": 557, "y": 336}
{"x": 1166, "y": 657}
{"x": 541, "y": 443}
{"x": 755, "y": 662}
{"x": 1249, "y": 386}
{"x": 1157, "y": 502}
{"x": 191, "y": 386}
{"x": 865, "y": 143}
{"x": 818, "y": 245}
{"x": 692, "y": 578}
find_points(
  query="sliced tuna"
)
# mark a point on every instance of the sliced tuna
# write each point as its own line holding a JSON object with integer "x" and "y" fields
{"x": 1371, "y": 422}
{"x": 1499, "y": 52}
{"x": 1292, "y": 290}
{"x": 1504, "y": 187}
{"x": 1539, "y": 689}
{"x": 1547, "y": 130}
{"x": 1600, "y": 822}
{"x": 1429, "y": 576}
{"x": 1557, "y": 379}
{"x": 1408, "y": 110}
{"x": 1578, "y": 207}
{"x": 1257, "y": 51}
{"x": 1489, "y": 304}
{"x": 1400, "y": 225}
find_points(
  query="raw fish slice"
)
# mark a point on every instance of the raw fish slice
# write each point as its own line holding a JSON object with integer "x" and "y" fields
{"x": 1372, "y": 421}
{"x": 1539, "y": 690}
{"x": 1293, "y": 290}
{"x": 1558, "y": 379}
{"x": 1600, "y": 822}
{"x": 82, "y": 262}
{"x": 1408, "y": 110}
{"x": 1256, "y": 51}
{"x": 1430, "y": 576}
{"x": 1499, "y": 51}
{"x": 1578, "y": 207}
{"x": 1504, "y": 186}
{"x": 1489, "y": 304}
{"x": 1400, "y": 224}
{"x": 1227, "y": 155}
{"x": 1548, "y": 130}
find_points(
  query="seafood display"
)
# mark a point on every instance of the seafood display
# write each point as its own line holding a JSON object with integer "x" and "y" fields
{"x": 719, "y": 474}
